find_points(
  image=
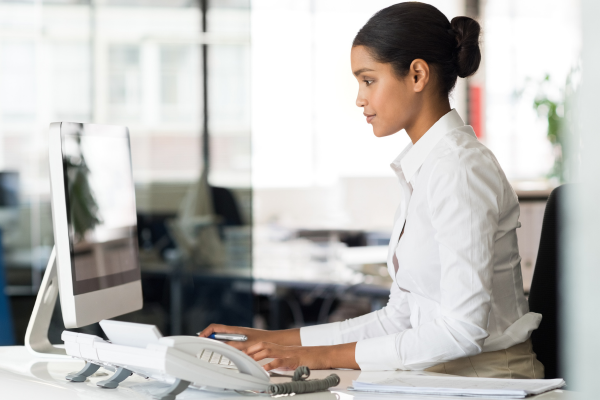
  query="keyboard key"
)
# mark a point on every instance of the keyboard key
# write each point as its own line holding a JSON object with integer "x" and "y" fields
{"x": 216, "y": 359}
{"x": 205, "y": 356}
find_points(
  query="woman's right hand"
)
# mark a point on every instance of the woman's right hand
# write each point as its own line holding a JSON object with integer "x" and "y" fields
{"x": 289, "y": 337}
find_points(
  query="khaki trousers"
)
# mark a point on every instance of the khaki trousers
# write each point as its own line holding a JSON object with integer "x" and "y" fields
{"x": 516, "y": 362}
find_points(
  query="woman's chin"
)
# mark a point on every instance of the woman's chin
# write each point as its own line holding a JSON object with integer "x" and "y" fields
{"x": 381, "y": 132}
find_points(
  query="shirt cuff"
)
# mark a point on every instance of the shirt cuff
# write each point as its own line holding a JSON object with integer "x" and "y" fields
{"x": 378, "y": 354}
{"x": 320, "y": 335}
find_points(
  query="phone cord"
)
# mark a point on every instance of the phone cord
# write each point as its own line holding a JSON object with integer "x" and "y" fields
{"x": 299, "y": 384}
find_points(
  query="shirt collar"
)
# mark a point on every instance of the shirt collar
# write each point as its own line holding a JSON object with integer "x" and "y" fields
{"x": 413, "y": 156}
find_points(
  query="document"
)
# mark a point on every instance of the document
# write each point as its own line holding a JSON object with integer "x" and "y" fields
{"x": 458, "y": 386}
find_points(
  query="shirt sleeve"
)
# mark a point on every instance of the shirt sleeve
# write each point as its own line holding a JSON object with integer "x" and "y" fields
{"x": 464, "y": 193}
{"x": 393, "y": 318}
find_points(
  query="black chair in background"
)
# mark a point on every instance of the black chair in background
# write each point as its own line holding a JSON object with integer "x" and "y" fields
{"x": 226, "y": 206}
{"x": 152, "y": 229}
{"x": 544, "y": 295}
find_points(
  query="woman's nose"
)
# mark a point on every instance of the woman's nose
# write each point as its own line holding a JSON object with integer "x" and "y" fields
{"x": 360, "y": 101}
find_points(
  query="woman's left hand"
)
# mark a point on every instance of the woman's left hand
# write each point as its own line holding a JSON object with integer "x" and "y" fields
{"x": 313, "y": 357}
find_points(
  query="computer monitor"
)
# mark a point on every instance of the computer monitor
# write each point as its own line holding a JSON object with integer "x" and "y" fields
{"x": 95, "y": 228}
{"x": 95, "y": 222}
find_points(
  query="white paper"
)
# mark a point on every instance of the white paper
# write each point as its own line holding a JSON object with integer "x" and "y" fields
{"x": 458, "y": 386}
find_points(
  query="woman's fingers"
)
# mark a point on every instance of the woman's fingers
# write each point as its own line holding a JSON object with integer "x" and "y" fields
{"x": 263, "y": 350}
{"x": 260, "y": 346}
{"x": 238, "y": 345}
{"x": 282, "y": 363}
{"x": 259, "y": 355}
{"x": 209, "y": 330}
{"x": 218, "y": 328}
{"x": 254, "y": 348}
{"x": 286, "y": 357}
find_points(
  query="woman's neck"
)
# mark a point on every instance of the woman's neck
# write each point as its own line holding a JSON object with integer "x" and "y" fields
{"x": 427, "y": 117}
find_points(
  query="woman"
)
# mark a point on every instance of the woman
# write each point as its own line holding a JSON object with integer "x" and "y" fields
{"x": 456, "y": 304}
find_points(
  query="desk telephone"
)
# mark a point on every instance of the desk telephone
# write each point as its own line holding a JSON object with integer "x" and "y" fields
{"x": 180, "y": 361}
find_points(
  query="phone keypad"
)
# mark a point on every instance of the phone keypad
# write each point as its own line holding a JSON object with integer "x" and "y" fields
{"x": 215, "y": 358}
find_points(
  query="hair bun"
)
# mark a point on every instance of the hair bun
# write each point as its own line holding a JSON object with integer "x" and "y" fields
{"x": 468, "y": 57}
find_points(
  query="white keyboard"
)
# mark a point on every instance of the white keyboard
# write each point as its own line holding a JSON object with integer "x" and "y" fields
{"x": 215, "y": 358}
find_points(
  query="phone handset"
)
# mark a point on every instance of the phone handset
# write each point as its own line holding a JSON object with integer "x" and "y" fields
{"x": 195, "y": 345}
{"x": 258, "y": 378}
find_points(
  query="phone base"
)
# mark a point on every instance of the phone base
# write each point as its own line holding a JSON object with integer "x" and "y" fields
{"x": 172, "y": 391}
{"x": 82, "y": 375}
{"x": 113, "y": 381}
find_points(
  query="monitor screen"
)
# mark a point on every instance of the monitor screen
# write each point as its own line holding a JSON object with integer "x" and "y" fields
{"x": 101, "y": 208}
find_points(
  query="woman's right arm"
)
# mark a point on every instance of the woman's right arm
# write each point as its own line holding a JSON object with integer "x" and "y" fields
{"x": 286, "y": 337}
{"x": 393, "y": 318}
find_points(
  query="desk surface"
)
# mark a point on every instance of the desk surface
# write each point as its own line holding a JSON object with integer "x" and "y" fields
{"x": 22, "y": 376}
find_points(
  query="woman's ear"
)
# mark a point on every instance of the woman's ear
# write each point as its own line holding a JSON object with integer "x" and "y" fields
{"x": 419, "y": 74}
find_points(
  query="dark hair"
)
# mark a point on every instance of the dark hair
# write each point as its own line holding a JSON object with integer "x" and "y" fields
{"x": 404, "y": 32}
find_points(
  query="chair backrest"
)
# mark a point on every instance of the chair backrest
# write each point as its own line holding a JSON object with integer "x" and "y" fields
{"x": 226, "y": 206}
{"x": 544, "y": 296}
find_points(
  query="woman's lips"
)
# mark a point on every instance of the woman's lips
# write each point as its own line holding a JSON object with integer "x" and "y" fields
{"x": 369, "y": 118}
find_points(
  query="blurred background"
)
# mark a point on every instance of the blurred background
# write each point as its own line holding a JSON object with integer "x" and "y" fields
{"x": 177, "y": 73}
{"x": 263, "y": 197}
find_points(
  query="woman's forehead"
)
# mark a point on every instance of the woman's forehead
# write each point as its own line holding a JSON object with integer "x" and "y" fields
{"x": 361, "y": 59}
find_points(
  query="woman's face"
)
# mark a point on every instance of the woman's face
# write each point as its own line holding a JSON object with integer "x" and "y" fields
{"x": 389, "y": 102}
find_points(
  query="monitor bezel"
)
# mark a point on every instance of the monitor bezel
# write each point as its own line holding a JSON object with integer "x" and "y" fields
{"x": 86, "y": 308}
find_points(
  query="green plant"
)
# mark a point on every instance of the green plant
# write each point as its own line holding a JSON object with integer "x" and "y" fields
{"x": 557, "y": 110}
{"x": 83, "y": 207}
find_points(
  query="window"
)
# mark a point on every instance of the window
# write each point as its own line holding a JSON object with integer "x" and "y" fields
{"x": 18, "y": 78}
{"x": 124, "y": 82}
{"x": 71, "y": 90}
{"x": 180, "y": 86}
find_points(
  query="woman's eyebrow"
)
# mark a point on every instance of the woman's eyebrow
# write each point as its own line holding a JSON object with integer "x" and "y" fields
{"x": 360, "y": 71}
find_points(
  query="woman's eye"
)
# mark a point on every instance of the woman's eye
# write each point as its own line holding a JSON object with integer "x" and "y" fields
{"x": 368, "y": 82}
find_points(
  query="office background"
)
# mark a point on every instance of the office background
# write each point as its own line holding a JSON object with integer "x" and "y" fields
{"x": 245, "y": 111}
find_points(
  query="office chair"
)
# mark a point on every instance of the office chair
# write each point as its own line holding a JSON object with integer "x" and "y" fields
{"x": 226, "y": 206}
{"x": 197, "y": 229}
{"x": 544, "y": 296}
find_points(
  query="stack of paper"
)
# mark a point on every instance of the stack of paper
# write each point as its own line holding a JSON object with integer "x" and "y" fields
{"x": 459, "y": 386}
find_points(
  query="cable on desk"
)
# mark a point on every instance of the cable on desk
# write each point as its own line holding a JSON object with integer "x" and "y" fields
{"x": 300, "y": 385}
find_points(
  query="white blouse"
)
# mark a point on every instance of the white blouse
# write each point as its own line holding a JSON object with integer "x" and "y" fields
{"x": 458, "y": 289}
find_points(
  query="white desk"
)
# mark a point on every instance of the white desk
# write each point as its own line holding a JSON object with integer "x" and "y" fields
{"x": 23, "y": 376}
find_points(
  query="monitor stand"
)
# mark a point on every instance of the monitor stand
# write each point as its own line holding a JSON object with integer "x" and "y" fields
{"x": 36, "y": 337}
